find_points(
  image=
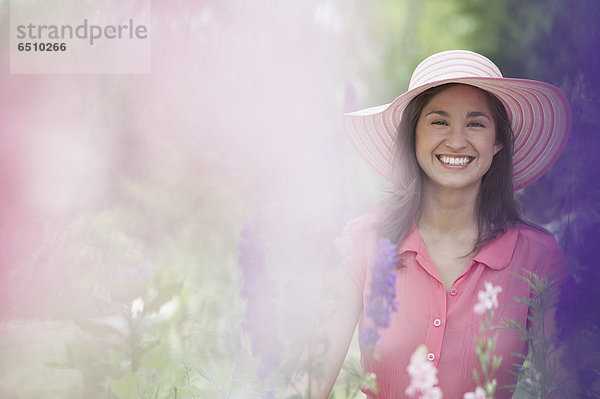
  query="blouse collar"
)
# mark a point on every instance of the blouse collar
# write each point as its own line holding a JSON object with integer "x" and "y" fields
{"x": 496, "y": 254}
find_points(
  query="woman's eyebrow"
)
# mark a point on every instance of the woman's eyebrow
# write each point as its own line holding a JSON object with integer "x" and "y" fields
{"x": 474, "y": 114}
{"x": 439, "y": 112}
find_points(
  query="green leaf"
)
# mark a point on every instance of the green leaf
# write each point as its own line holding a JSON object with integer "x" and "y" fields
{"x": 370, "y": 381}
{"x": 126, "y": 387}
{"x": 476, "y": 376}
{"x": 490, "y": 388}
{"x": 496, "y": 362}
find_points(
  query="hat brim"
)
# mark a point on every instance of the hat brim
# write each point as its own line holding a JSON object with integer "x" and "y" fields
{"x": 539, "y": 113}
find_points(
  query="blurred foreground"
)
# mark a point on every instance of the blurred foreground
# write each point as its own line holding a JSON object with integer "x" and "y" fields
{"x": 124, "y": 197}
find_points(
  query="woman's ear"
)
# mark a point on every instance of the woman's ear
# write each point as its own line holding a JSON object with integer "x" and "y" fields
{"x": 497, "y": 147}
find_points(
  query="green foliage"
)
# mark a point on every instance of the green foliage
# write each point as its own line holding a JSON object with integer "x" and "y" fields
{"x": 539, "y": 376}
{"x": 484, "y": 350}
{"x": 127, "y": 386}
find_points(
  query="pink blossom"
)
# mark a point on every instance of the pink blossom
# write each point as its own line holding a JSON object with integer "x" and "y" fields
{"x": 488, "y": 299}
{"x": 478, "y": 394}
{"x": 423, "y": 376}
{"x": 432, "y": 393}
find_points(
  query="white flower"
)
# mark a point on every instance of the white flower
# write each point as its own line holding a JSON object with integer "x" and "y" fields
{"x": 137, "y": 307}
{"x": 488, "y": 299}
{"x": 432, "y": 393}
{"x": 478, "y": 394}
{"x": 328, "y": 17}
{"x": 423, "y": 376}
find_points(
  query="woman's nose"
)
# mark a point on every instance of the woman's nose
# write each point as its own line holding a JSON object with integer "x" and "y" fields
{"x": 456, "y": 138}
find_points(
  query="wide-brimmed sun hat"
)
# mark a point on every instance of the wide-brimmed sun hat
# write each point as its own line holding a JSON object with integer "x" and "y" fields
{"x": 539, "y": 114}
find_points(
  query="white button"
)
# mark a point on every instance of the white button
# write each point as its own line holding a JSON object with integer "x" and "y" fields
{"x": 430, "y": 356}
{"x": 453, "y": 291}
{"x": 437, "y": 322}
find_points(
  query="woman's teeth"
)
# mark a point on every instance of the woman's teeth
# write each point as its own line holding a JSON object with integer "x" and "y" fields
{"x": 460, "y": 161}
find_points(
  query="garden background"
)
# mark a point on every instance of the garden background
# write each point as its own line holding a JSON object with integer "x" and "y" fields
{"x": 153, "y": 228}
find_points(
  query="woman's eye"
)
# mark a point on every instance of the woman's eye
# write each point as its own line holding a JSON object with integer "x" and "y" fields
{"x": 441, "y": 123}
{"x": 476, "y": 124}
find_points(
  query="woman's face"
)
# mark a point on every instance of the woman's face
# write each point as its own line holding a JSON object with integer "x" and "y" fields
{"x": 456, "y": 138}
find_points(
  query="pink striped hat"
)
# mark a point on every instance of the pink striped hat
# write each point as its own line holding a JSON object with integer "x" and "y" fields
{"x": 539, "y": 113}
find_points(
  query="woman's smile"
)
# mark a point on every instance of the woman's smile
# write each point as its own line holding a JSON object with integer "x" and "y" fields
{"x": 454, "y": 161}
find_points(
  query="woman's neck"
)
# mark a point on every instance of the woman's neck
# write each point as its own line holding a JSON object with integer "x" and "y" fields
{"x": 448, "y": 211}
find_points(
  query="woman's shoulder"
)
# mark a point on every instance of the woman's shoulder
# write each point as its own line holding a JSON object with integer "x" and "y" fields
{"x": 362, "y": 225}
{"x": 360, "y": 234}
{"x": 356, "y": 245}
{"x": 539, "y": 247}
{"x": 536, "y": 236}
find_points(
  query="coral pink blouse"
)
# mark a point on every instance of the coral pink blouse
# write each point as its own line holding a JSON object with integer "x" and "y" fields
{"x": 445, "y": 321}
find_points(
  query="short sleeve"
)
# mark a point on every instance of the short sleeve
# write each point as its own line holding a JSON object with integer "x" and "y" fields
{"x": 355, "y": 245}
{"x": 553, "y": 264}
{"x": 539, "y": 252}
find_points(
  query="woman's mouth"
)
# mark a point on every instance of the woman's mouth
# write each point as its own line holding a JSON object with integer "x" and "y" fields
{"x": 455, "y": 160}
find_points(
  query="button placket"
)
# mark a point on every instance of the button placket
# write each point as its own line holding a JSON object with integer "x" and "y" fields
{"x": 437, "y": 322}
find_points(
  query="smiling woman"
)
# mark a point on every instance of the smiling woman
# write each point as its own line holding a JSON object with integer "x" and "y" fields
{"x": 454, "y": 147}
{"x": 456, "y": 139}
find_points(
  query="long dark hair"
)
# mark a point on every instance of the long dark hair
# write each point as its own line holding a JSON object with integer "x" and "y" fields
{"x": 496, "y": 207}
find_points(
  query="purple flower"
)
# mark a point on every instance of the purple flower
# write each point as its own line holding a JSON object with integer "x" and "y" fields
{"x": 381, "y": 301}
{"x": 260, "y": 290}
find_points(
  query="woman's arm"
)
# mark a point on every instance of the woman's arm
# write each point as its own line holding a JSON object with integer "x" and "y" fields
{"x": 337, "y": 327}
